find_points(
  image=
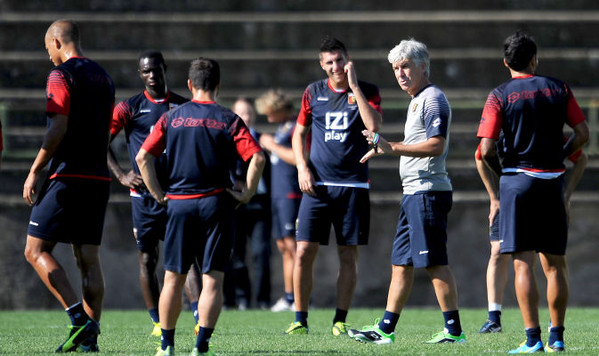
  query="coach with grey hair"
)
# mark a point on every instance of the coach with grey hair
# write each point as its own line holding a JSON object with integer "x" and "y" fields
{"x": 421, "y": 238}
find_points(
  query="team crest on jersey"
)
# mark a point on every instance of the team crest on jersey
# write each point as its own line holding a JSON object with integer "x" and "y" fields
{"x": 414, "y": 107}
{"x": 351, "y": 99}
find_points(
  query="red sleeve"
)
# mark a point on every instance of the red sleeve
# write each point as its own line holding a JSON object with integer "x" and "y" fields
{"x": 304, "y": 117}
{"x": 120, "y": 117}
{"x": 575, "y": 114}
{"x": 375, "y": 101}
{"x": 490, "y": 122}
{"x": 155, "y": 143}
{"x": 478, "y": 155}
{"x": 58, "y": 96}
{"x": 245, "y": 144}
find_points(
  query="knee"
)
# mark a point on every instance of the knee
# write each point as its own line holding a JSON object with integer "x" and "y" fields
{"x": 31, "y": 254}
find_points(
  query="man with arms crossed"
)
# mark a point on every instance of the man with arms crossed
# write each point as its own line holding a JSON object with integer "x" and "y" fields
{"x": 71, "y": 204}
{"x": 202, "y": 140}
{"x": 137, "y": 116}
{"x": 334, "y": 183}
{"x": 531, "y": 110}
{"x": 421, "y": 238}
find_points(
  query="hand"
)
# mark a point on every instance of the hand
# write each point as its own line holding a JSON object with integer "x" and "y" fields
{"x": 493, "y": 211}
{"x": 266, "y": 141}
{"x": 29, "y": 188}
{"x": 306, "y": 181}
{"x": 375, "y": 150}
{"x": 160, "y": 198}
{"x": 132, "y": 180}
{"x": 243, "y": 196}
{"x": 352, "y": 78}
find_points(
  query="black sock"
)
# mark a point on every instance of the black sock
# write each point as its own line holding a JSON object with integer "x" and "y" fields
{"x": 340, "y": 315}
{"x": 533, "y": 335}
{"x": 77, "y": 314}
{"x": 203, "y": 340}
{"x": 452, "y": 322}
{"x": 167, "y": 338}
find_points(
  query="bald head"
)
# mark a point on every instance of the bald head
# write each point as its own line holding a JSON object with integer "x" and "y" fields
{"x": 62, "y": 41}
{"x": 66, "y": 31}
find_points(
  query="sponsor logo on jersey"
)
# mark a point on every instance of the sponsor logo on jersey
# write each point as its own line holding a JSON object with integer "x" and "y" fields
{"x": 322, "y": 98}
{"x": 145, "y": 111}
{"x": 425, "y": 252}
{"x": 336, "y": 123}
{"x": 437, "y": 122}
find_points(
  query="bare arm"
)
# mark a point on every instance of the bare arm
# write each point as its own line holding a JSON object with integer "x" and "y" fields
{"x": 578, "y": 139}
{"x": 491, "y": 183}
{"x": 431, "y": 147}
{"x": 129, "y": 179}
{"x": 304, "y": 176}
{"x": 575, "y": 176}
{"x": 52, "y": 139}
{"x": 372, "y": 119}
{"x": 285, "y": 153}
{"x": 253, "y": 175}
{"x": 145, "y": 162}
{"x": 488, "y": 151}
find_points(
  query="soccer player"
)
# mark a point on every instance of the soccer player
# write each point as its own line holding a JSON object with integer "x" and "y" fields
{"x": 71, "y": 204}
{"x": 421, "y": 238}
{"x": 498, "y": 263}
{"x": 253, "y": 222}
{"x": 531, "y": 110}
{"x": 285, "y": 192}
{"x": 334, "y": 182}
{"x": 137, "y": 116}
{"x": 201, "y": 139}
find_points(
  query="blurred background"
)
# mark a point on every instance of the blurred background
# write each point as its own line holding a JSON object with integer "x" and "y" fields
{"x": 262, "y": 44}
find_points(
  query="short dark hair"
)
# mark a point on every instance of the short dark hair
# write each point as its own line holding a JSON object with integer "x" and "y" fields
{"x": 331, "y": 44}
{"x": 152, "y": 53}
{"x": 204, "y": 74}
{"x": 518, "y": 50}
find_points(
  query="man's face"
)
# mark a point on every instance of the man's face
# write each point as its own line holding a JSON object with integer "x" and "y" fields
{"x": 333, "y": 63}
{"x": 50, "y": 44}
{"x": 153, "y": 74}
{"x": 410, "y": 76}
{"x": 245, "y": 111}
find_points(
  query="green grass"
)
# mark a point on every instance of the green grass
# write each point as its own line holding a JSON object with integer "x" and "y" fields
{"x": 260, "y": 333}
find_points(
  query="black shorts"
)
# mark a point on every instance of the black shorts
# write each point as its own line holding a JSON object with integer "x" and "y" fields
{"x": 532, "y": 215}
{"x": 70, "y": 210}
{"x": 199, "y": 229}
{"x": 421, "y": 237}
{"x": 149, "y": 222}
{"x": 346, "y": 208}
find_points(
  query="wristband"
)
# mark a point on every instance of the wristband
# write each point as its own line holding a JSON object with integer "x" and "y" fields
{"x": 375, "y": 139}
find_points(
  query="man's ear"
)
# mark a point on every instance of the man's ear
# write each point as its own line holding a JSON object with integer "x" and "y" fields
{"x": 189, "y": 85}
{"x": 56, "y": 42}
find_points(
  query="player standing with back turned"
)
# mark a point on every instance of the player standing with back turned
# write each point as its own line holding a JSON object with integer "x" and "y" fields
{"x": 72, "y": 203}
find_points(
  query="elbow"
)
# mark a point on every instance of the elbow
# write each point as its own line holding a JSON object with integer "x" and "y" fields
{"x": 260, "y": 160}
{"x": 140, "y": 158}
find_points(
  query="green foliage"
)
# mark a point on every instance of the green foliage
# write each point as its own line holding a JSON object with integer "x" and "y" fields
{"x": 260, "y": 333}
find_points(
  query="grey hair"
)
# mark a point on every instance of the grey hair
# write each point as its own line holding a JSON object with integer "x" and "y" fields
{"x": 413, "y": 50}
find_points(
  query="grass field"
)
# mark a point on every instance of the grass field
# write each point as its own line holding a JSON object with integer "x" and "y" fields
{"x": 260, "y": 333}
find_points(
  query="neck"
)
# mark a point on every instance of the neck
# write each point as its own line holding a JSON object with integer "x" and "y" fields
{"x": 70, "y": 52}
{"x": 157, "y": 94}
{"x": 201, "y": 95}
{"x": 417, "y": 89}
{"x": 522, "y": 73}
